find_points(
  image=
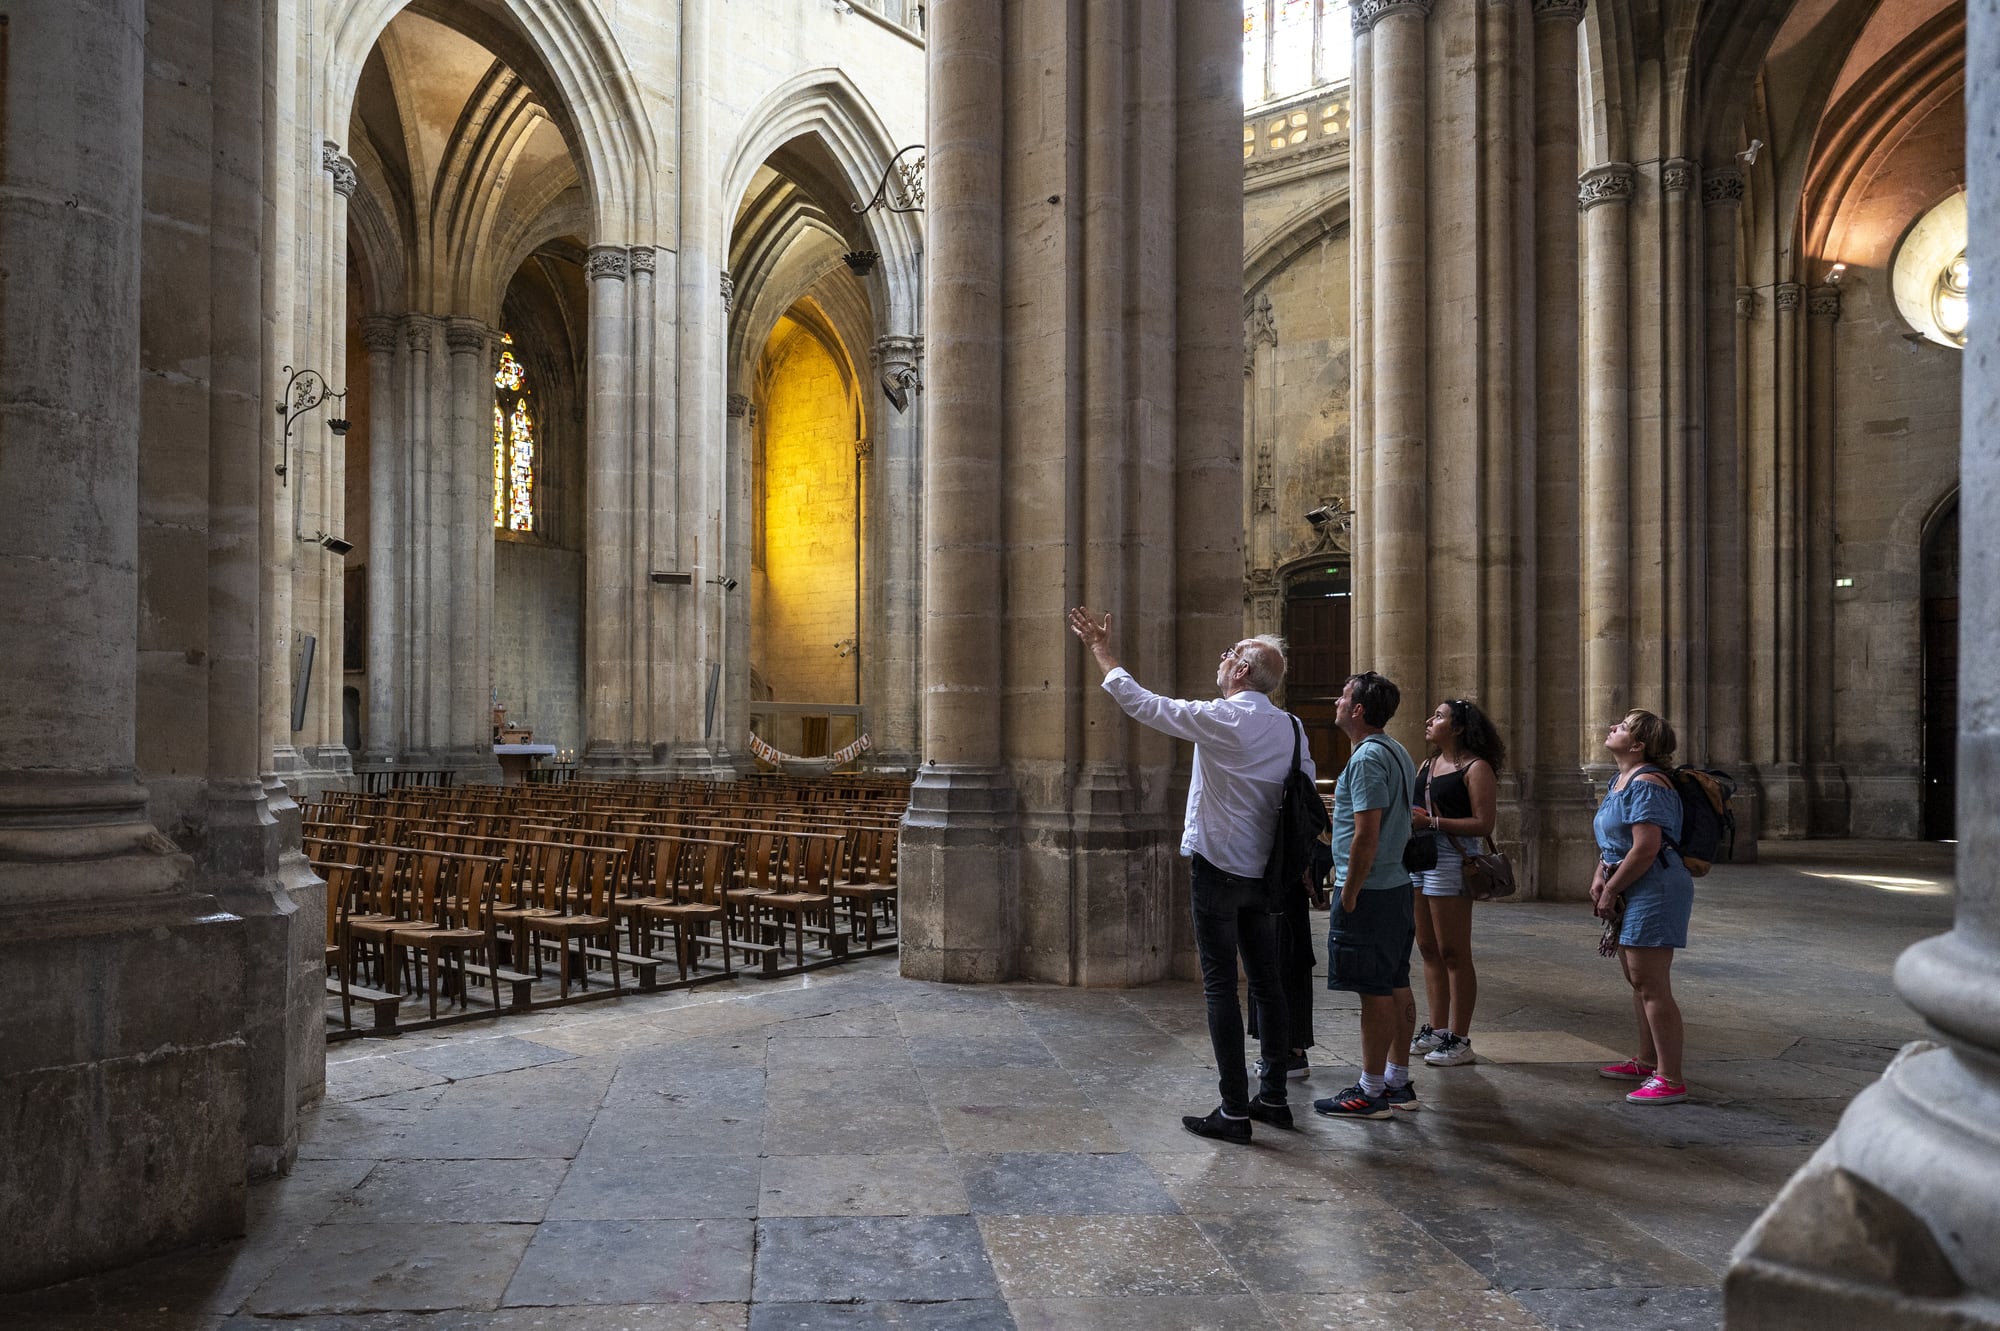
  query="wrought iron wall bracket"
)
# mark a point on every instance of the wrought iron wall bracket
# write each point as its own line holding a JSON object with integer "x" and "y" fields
{"x": 901, "y": 189}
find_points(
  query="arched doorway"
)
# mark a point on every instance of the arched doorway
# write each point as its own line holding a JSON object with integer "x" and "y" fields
{"x": 1319, "y": 632}
{"x": 1940, "y": 699}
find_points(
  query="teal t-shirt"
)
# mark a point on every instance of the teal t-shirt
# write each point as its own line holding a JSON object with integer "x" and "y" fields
{"x": 1379, "y": 775}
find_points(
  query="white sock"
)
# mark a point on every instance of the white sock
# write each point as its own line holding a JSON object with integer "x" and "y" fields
{"x": 1398, "y": 1074}
{"x": 1371, "y": 1085}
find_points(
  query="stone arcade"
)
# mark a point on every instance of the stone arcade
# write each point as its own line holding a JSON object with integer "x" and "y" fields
{"x": 1578, "y": 356}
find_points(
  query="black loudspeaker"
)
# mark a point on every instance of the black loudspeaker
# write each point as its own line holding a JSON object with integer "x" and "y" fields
{"x": 302, "y": 681}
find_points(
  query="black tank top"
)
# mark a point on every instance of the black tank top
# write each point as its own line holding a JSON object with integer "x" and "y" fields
{"x": 1448, "y": 796}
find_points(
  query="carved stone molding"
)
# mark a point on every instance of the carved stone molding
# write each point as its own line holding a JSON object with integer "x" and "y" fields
{"x": 606, "y": 261}
{"x": 1571, "y": 10}
{"x": 464, "y": 335}
{"x": 1823, "y": 303}
{"x": 1262, "y": 326}
{"x": 1610, "y": 183}
{"x": 728, "y": 292}
{"x": 1789, "y": 295}
{"x": 642, "y": 258}
{"x": 1724, "y": 185}
{"x": 1678, "y": 175}
{"x": 1367, "y": 13}
{"x": 897, "y": 349}
{"x": 378, "y": 332}
{"x": 339, "y": 167}
{"x": 417, "y": 330}
{"x": 1747, "y": 302}
{"x": 739, "y": 406}
{"x": 864, "y": 449}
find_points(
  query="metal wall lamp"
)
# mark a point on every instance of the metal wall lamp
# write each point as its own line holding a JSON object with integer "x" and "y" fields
{"x": 305, "y": 390}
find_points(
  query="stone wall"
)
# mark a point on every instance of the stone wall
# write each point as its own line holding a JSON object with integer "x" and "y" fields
{"x": 538, "y": 639}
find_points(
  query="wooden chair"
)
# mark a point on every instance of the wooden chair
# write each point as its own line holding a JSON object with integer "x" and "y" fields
{"x": 706, "y": 866}
{"x": 809, "y": 872}
{"x": 588, "y": 886}
{"x": 460, "y": 925}
{"x": 535, "y": 893}
{"x": 870, "y": 884}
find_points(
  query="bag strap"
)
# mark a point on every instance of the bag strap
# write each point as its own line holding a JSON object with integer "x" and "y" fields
{"x": 1666, "y": 842}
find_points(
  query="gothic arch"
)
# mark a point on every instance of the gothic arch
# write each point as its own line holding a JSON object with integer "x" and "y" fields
{"x": 826, "y": 104}
{"x": 1325, "y": 218}
{"x": 594, "y": 100}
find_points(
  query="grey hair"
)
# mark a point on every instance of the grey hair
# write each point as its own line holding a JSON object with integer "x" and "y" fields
{"x": 1267, "y": 667}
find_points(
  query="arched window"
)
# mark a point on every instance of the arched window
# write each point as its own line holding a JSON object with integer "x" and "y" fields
{"x": 513, "y": 445}
{"x": 1292, "y": 45}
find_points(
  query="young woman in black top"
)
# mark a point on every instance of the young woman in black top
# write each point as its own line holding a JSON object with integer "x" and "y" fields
{"x": 1456, "y": 800}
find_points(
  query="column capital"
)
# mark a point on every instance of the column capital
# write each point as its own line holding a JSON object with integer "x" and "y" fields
{"x": 378, "y": 332}
{"x": 608, "y": 261}
{"x": 417, "y": 330}
{"x": 738, "y": 406}
{"x": 642, "y": 258}
{"x": 340, "y": 167}
{"x": 1723, "y": 185}
{"x": 1367, "y": 13}
{"x": 1747, "y": 301}
{"x": 1789, "y": 295}
{"x": 1610, "y": 183}
{"x": 1824, "y": 303}
{"x": 897, "y": 349}
{"x": 1678, "y": 175}
{"x": 465, "y": 335}
{"x": 1571, "y": 10}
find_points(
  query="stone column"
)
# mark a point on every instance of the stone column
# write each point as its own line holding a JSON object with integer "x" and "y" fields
{"x": 1780, "y": 776}
{"x": 732, "y": 719}
{"x": 1891, "y": 1222}
{"x": 1604, "y": 194}
{"x": 896, "y": 542}
{"x": 1722, "y": 660}
{"x": 1562, "y": 852}
{"x": 1826, "y": 782}
{"x": 120, "y": 983}
{"x": 1396, "y": 548}
{"x": 1682, "y": 537}
{"x": 424, "y": 702}
{"x": 1361, "y": 261}
{"x": 469, "y": 534}
{"x": 611, "y": 679}
{"x": 388, "y": 489}
{"x": 960, "y": 862}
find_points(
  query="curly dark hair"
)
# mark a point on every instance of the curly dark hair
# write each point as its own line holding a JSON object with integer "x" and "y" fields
{"x": 1477, "y": 734}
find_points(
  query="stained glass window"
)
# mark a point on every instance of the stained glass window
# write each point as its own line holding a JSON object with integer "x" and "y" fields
{"x": 1253, "y": 52}
{"x": 513, "y": 445}
{"x": 1291, "y": 46}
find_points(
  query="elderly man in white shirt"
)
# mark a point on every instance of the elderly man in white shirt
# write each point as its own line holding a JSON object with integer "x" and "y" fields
{"x": 1243, "y": 745}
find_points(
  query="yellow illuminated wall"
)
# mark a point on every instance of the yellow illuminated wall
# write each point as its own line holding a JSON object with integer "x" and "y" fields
{"x": 804, "y": 585}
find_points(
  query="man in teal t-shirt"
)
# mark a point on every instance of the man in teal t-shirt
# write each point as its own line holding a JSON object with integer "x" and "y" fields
{"x": 1374, "y": 920}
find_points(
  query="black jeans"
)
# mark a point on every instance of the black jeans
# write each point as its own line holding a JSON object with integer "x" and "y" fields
{"x": 1230, "y": 917}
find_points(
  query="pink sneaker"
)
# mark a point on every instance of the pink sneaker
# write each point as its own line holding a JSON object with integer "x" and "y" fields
{"x": 1630, "y": 1070}
{"x": 1659, "y": 1091}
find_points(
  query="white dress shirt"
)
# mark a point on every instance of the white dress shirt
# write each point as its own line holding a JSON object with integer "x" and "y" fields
{"x": 1242, "y": 755}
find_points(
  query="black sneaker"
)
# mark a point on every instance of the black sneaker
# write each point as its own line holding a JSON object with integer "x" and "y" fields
{"x": 1293, "y": 1066}
{"x": 1352, "y": 1103}
{"x": 1403, "y": 1097}
{"x": 1218, "y": 1126}
{"x": 1278, "y": 1116}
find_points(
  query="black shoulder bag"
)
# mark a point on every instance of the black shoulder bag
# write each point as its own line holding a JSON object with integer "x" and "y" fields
{"x": 1301, "y": 818}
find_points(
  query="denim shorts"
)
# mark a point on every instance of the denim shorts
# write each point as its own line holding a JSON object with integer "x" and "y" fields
{"x": 1368, "y": 948}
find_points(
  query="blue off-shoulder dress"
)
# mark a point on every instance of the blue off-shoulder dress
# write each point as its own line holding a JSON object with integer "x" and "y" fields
{"x": 1657, "y": 906}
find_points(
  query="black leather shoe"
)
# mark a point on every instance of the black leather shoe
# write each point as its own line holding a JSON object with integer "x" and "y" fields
{"x": 1217, "y": 1126}
{"x": 1278, "y": 1116}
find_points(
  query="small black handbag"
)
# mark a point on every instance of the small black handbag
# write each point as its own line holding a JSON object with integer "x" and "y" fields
{"x": 1420, "y": 852}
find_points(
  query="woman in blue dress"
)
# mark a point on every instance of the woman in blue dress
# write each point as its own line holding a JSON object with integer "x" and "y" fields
{"x": 1639, "y": 872}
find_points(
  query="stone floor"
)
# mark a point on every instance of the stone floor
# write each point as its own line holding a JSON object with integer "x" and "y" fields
{"x": 852, "y": 1150}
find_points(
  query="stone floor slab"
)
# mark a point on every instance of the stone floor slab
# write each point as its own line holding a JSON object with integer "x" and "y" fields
{"x": 1100, "y": 1256}
{"x": 1345, "y": 1249}
{"x": 575, "y": 1262}
{"x": 1541, "y": 1047}
{"x": 395, "y": 1268}
{"x": 991, "y": 1128}
{"x": 453, "y": 1191}
{"x": 1063, "y": 1183}
{"x": 459, "y": 1059}
{"x": 855, "y": 1258}
{"x": 605, "y": 1185}
{"x": 1675, "y": 1309}
{"x": 953, "y": 1315}
{"x": 1404, "y": 1310}
{"x": 1226, "y": 1312}
{"x": 898, "y": 1183}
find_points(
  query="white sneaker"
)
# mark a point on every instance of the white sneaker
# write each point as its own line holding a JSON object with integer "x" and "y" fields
{"x": 1427, "y": 1040}
{"x": 1452, "y": 1053}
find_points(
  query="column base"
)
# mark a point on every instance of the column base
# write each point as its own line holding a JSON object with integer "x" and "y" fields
{"x": 959, "y": 869}
{"x": 1096, "y": 887}
{"x": 1559, "y": 848}
{"x": 1891, "y": 1222}
{"x": 1886, "y": 801}
{"x": 121, "y": 1011}
{"x": 1784, "y": 801}
{"x": 1828, "y": 801}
